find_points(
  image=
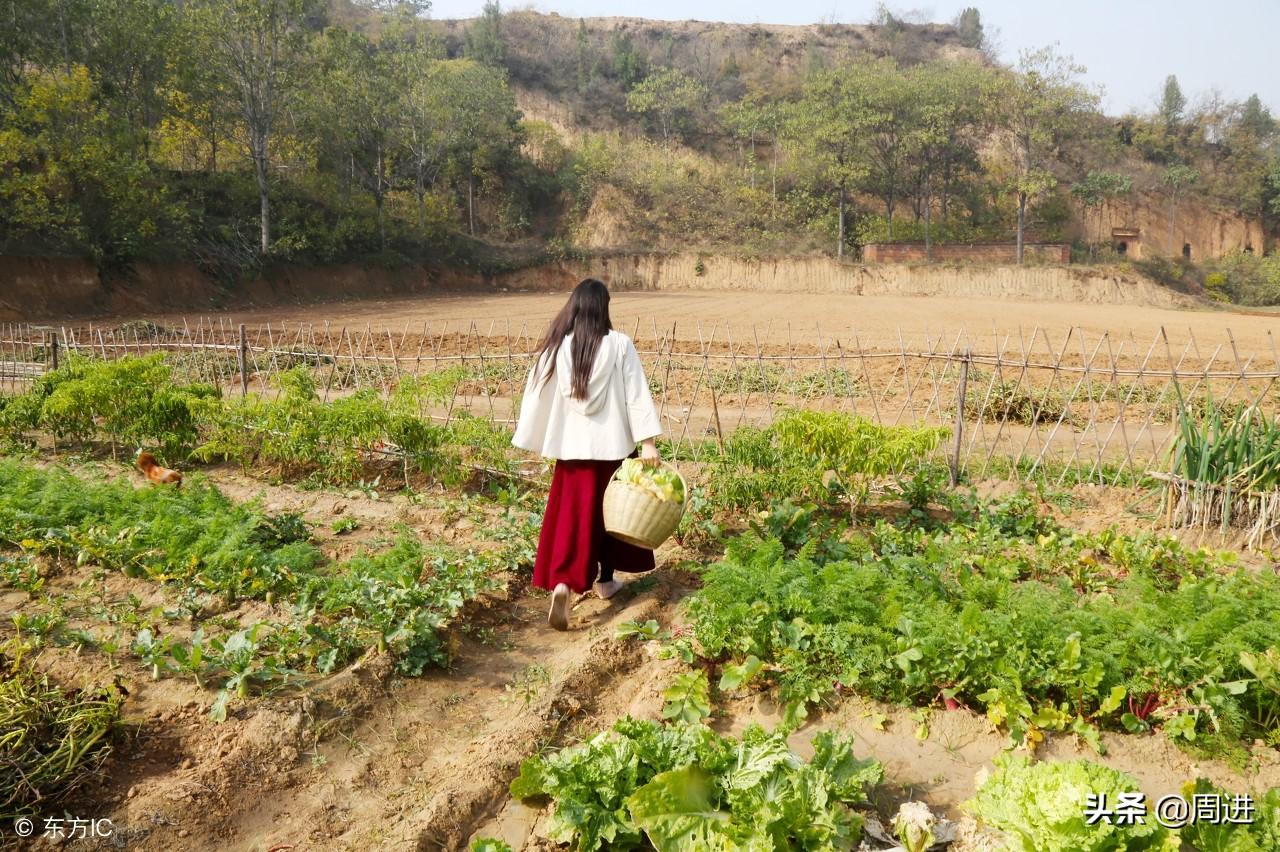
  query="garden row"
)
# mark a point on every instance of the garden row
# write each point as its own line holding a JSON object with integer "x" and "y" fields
{"x": 136, "y": 402}
{"x": 251, "y": 605}
{"x": 681, "y": 786}
{"x": 1002, "y": 610}
{"x": 213, "y": 553}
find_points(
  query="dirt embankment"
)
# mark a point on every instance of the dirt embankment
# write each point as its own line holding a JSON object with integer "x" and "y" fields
{"x": 34, "y": 289}
{"x": 821, "y": 275}
{"x": 39, "y": 288}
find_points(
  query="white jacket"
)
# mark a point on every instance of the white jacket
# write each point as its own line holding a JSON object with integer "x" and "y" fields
{"x": 617, "y": 414}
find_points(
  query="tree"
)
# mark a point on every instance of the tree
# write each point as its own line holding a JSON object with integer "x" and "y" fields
{"x": 476, "y": 118}
{"x": 892, "y": 132}
{"x": 1037, "y": 108}
{"x": 257, "y": 47}
{"x": 484, "y": 38}
{"x": 756, "y": 118}
{"x": 968, "y": 26}
{"x": 952, "y": 119}
{"x": 420, "y": 131}
{"x": 827, "y": 128}
{"x": 1256, "y": 119}
{"x": 356, "y": 109}
{"x": 1178, "y": 179}
{"x": 1172, "y": 103}
{"x": 585, "y": 62}
{"x": 669, "y": 96}
{"x": 71, "y": 174}
{"x": 626, "y": 63}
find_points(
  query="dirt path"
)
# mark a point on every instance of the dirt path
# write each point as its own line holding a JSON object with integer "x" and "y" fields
{"x": 877, "y": 320}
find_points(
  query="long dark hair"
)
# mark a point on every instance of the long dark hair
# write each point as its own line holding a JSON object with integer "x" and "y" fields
{"x": 586, "y": 317}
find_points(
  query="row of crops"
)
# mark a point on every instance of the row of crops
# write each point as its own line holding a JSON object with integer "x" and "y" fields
{"x": 831, "y": 560}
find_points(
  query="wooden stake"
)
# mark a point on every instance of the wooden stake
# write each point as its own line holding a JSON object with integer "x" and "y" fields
{"x": 242, "y": 352}
{"x": 960, "y": 395}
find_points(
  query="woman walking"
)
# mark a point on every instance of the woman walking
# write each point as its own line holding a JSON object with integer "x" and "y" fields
{"x": 586, "y": 405}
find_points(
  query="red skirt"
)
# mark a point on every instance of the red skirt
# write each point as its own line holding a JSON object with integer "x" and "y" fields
{"x": 573, "y": 547}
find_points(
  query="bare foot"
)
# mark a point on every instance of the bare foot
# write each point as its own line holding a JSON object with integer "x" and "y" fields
{"x": 608, "y": 589}
{"x": 558, "y": 617}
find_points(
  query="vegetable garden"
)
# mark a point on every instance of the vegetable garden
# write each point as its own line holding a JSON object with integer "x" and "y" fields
{"x": 892, "y": 571}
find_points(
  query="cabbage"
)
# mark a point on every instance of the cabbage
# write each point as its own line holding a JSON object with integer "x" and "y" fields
{"x": 662, "y": 482}
{"x": 1041, "y": 807}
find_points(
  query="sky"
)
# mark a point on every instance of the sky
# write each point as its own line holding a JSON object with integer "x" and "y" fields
{"x": 1128, "y": 47}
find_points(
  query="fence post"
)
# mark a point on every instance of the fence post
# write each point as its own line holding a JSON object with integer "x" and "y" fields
{"x": 961, "y": 392}
{"x": 53, "y": 350}
{"x": 242, "y": 358}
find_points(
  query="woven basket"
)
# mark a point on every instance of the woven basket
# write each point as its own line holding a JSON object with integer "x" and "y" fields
{"x": 634, "y": 515}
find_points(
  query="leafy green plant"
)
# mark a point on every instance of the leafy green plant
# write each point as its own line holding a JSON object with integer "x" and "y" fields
{"x": 992, "y": 613}
{"x": 127, "y": 402}
{"x": 686, "y": 787}
{"x": 489, "y": 844}
{"x": 342, "y": 526}
{"x": 648, "y": 631}
{"x": 20, "y": 572}
{"x": 1260, "y": 832}
{"x": 399, "y": 599}
{"x": 1042, "y": 807}
{"x": 688, "y": 698}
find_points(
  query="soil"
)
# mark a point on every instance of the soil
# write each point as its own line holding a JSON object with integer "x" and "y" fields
{"x": 880, "y": 322}
{"x": 368, "y": 760}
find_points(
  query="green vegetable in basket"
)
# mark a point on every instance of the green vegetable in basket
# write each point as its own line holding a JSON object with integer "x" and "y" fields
{"x": 663, "y": 482}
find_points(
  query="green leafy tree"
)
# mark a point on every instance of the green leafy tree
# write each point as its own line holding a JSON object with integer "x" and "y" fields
{"x": 421, "y": 132}
{"x": 627, "y": 64}
{"x": 71, "y": 173}
{"x": 484, "y": 37}
{"x": 1037, "y": 108}
{"x": 669, "y": 97}
{"x": 952, "y": 119}
{"x": 476, "y": 118}
{"x": 752, "y": 120}
{"x": 1172, "y": 103}
{"x": 828, "y": 128}
{"x": 968, "y": 26}
{"x": 257, "y": 48}
{"x": 356, "y": 110}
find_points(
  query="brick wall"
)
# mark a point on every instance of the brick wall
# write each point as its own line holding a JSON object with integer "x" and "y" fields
{"x": 976, "y": 253}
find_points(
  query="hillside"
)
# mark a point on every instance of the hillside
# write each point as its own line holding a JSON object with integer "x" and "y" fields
{"x": 587, "y": 65}
{"x": 382, "y": 138}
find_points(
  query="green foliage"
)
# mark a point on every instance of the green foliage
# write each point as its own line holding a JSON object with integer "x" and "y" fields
{"x": 812, "y": 455}
{"x": 685, "y": 787}
{"x": 1247, "y": 279}
{"x": 192, "y": 535}
{"x": 399, "y": 599}
{"x": 1261, "y": 832}
{"x": 670, "y": 97}
{"x": 337, "y": 441}
{"x": 1240, "y": 453}
{"x": 70, "y": 177}
{"x": 1006, "y": 612}
{"x": 54, "y": 739}
{"x": 489, "y": 844}
{"x": 130, "y": 402}
{"x": 1041, "y": 807}
{"x": 688, "y": 698}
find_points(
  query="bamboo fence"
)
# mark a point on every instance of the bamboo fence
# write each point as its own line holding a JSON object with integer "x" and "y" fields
{"x": 1021, "y": 404}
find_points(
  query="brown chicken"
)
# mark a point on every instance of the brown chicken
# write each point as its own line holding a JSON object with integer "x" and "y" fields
{"x": 160, "y": 475}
